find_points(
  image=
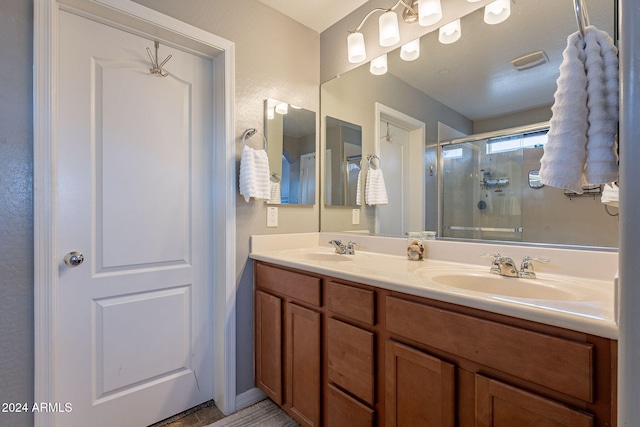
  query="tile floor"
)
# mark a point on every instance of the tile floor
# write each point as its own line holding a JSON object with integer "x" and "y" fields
{"x": 200, "y": 416}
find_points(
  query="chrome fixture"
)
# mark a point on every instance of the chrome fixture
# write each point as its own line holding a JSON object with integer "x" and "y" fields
{"x": 156, "y": 68}
{"x": 526, "y": 268}
{"x": 349, "y": 249}
{"x": 503, "y": 266}
{"x": 73, "y": 259}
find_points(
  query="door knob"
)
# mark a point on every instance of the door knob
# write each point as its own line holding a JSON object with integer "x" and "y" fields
{"x": 73, "y": 259}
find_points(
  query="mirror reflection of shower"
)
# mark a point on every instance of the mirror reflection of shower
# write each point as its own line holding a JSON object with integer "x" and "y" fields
{"x": 482, "y": 184}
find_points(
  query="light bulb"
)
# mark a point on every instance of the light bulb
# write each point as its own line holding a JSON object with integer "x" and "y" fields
{"x": 497, "y": 11}
{"x": 429, "y": 12}
{"x": 388, "y": 28}
{"x": 379, "y": 65}
{"x": 355, "y": 48}
{"x": 450, "y": 33}
{"x": 410, "y": 51}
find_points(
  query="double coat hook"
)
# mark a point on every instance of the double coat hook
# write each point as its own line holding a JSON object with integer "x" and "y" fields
{"x": 157, "y": 69}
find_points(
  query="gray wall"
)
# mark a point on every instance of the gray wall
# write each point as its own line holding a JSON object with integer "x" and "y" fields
{"x": 16, "y": 212}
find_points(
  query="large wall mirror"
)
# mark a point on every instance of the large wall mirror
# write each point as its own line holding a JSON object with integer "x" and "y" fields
{"x": 291, "y": 134}
{"x": 469, "y": 93}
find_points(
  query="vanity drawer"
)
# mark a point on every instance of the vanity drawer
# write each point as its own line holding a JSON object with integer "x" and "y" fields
{"x": 350, "y": 302}
{"x": 557, "y": 363}
{"x": 295, "y": 285}
{"x": 350, "y": 358}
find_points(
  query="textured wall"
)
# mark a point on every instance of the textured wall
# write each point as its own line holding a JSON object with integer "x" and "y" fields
{"x": 16, "y": 213}
{"x": 278, "y": 58}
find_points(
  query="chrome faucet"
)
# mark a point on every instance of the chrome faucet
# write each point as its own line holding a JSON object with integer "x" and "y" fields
{"x": 503, "y": 265}
{"x": 349, "y": 249}
{"x": 526, "y": 268}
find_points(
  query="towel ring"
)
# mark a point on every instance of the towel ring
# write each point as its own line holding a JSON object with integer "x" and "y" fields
{"x": 370, "y": 158}
{"x": 249, "y": 133}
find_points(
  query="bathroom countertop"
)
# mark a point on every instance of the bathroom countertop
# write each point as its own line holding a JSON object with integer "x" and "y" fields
{"x": 583, "y": 304}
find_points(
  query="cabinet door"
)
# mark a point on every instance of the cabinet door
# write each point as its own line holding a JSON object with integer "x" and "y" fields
{"x": 501, "y": 405}
{"x": 303, "y": 370}
{"x": 345, "y": 411}
{"x": 268, "y": 330}
{"x": 419, "y": 388}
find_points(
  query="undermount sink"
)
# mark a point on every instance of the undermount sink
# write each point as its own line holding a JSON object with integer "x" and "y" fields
{"x": 505, "y": 286}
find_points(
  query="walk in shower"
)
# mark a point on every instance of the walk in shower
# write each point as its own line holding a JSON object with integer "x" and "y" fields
{"x": 482, "y": 183}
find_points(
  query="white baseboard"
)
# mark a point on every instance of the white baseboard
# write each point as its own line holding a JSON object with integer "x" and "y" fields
{"x": 249, "y": 397}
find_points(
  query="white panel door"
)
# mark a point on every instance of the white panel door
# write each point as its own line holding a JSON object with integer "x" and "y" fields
{"x": 393, "y": 218}
{"x": 133, "y": 195}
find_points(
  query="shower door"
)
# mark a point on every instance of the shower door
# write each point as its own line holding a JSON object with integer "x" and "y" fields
{"x": 481, "y": 191}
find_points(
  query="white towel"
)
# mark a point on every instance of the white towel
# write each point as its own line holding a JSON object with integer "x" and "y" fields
{"x": 275, "y": 192}
{"x": 581, "y": 141}
{"x": 375, "y": 190}
{"x": 611, "y": 195}
{"x": 602, "y": 100}
{"x": 254, "y": 174}
{"x": 359, "y": 189}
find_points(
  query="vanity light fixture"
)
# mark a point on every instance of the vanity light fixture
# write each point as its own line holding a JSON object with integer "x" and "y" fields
{"x": 497, "y": 11}
{"x": 379, "y": 65}
{"x": 450, "y": 33}
{"x": 410, "y": 51}
{"x": 425, "y": 12}
{"x": 389, "y": 31}
{"x": 429, "y": 12}
{"x": 270, "y": 113}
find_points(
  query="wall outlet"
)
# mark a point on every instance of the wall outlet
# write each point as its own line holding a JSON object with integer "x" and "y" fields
{"x": 355, "y": 216}
{"x": 272, "y": 216}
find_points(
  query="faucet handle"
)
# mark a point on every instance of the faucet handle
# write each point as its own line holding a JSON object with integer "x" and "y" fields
{"x": 351, "y": 250}
{"x": 495, "y": 264}
{"x": 526, "y": 268}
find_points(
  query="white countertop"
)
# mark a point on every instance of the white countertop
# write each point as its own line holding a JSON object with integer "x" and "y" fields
{"x": 585, "y": 304}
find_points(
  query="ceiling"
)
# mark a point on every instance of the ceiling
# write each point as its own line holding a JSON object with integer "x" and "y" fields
{"x": 315, "y": 14}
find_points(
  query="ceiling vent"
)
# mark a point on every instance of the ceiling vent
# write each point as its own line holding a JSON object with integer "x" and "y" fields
{"x": 530, "y": 60}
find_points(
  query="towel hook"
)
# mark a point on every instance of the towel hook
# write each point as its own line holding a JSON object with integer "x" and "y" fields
{"x": 582, "y": 16}
{"x": 157, "y": 68}
{"x": 249, "y": 133}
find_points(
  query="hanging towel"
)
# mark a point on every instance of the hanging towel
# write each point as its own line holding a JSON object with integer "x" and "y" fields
{"x": 611, "y": 194}
{"x": 602, "y": 101}
{"x": 562, "y": 163}
{"x": 359, "y": 189}
{"x": 254, "y": 174}
{"x": 375, "y": 190}
{"x": 275, "y": 192}
{"x": 580, "y": 149}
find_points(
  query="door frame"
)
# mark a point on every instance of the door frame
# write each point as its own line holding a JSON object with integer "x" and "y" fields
{"x": 135, "y": 18}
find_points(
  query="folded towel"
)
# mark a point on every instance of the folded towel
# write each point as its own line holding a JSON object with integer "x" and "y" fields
{"x": 602, "y": 88}
{"x": 581, "y": 141}
{"x": 275, "y": 192}
{"x": 375, "y": 190}
{"x": 610, "y": 194}
{"x": 562, "y": 163}
{"x": 359, "y": 189}
{"x": 254, "y": 174}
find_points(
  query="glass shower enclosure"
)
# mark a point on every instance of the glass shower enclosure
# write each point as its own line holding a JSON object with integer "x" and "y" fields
{"x": 481, "y": 184}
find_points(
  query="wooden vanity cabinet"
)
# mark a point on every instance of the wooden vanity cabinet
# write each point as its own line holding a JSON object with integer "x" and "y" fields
{"x": 288, "y": 335}
{"x": 336, "y": 353}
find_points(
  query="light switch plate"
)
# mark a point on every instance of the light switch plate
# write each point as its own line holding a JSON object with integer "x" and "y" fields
{"x": 355, "y": 216}
{"x": 272, "y": 216}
